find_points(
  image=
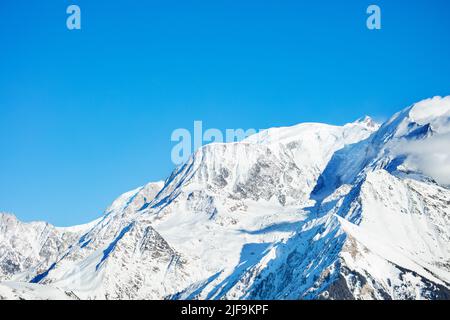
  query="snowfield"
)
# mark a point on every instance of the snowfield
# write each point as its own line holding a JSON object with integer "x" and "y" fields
{"x": 312, "y": 211}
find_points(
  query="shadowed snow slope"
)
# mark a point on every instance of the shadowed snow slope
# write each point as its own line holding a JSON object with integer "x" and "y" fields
{"x": 306, "y": 212}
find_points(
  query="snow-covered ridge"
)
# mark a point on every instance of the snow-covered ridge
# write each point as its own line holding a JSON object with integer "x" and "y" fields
{"x": 312, "y": 211}
{"x": 27, "y": 248}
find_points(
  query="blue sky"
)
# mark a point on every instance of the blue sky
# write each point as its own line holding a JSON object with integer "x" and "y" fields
{"x": 87, "y": 115}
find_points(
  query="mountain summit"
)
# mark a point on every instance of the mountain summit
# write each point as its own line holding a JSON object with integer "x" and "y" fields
{"x": 313, "y": 211}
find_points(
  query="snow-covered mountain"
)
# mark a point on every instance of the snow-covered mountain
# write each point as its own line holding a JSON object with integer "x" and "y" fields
{"x": 314, "y": 211}
{"x": 27, "y": 249}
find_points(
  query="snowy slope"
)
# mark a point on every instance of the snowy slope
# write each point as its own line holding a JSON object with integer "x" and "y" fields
{"x": 31, "y": 291}
{"x": 306, "y": 212}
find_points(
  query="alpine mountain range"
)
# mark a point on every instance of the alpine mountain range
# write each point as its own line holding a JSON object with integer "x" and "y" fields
{"x": 312, "y": 211}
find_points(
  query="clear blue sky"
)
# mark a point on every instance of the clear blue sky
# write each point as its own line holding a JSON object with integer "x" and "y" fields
{"x": 87, "y": 115}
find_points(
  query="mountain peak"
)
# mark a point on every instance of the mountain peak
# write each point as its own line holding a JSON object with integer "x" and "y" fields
{"x": 368, "y": 121}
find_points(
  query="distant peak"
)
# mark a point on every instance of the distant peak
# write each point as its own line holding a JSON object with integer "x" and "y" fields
{"x": 7, "y": 215}
{"x": 364, "y": 119}
{"x": 368, "y": 121}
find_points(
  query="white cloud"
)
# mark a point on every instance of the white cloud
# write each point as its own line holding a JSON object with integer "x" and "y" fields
{"x": 430, "y": 156}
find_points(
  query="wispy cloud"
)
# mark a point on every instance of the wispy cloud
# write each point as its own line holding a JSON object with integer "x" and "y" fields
{"x": 430, "y": 156}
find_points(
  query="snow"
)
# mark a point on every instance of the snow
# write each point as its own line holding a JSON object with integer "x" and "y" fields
{"x": 29, "y": 291}
{"x": 435, "y": 111}
{"x": 79, "y": 228}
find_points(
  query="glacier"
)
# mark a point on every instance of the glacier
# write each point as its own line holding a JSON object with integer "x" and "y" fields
{"x": 312, "y": 211}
